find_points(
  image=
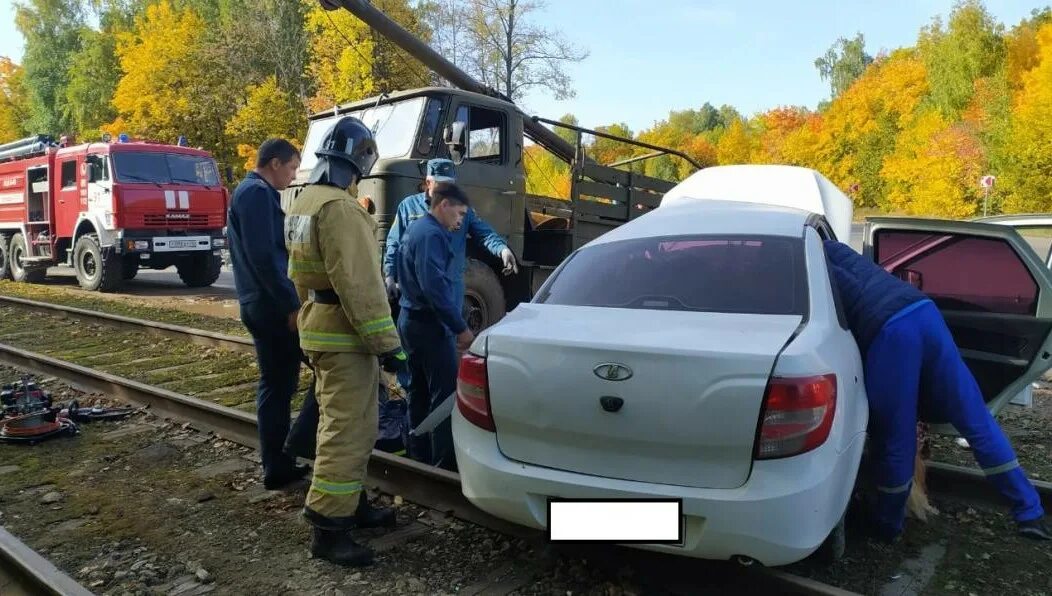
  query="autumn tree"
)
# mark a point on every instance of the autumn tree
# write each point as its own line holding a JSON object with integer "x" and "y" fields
{"x": 52, "y": 31}
{"x": 1027, "y": 179}
{"x": 935, "y": 169}
{"x": 497, "y": 42}
{"x": 350, "y": 61}
{"x": 14, "y": 104}
{"x": 843, "y": 62}
{"x": 174, "y": 84}
{"x": 269, "y": 111}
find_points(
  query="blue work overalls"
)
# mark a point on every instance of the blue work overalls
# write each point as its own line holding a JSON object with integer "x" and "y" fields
{"x": 429, "y": 321}
{"x": 913, "y": 368}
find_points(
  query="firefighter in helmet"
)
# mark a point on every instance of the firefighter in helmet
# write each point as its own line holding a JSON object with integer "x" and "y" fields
{"x": 346, "y": 330}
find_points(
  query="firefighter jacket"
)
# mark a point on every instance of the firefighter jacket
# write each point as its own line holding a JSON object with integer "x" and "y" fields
{"x": 333, "y": 251}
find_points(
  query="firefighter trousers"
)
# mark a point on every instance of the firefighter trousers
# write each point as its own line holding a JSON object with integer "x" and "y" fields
{"x": 347, "y": 424}
{"x": 914, "y": 368}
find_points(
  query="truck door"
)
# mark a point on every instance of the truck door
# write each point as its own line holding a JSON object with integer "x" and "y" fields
{"x": 68, "y": 204}
{"x": 487, "y": 172}
{"x": 100, "y": 196}
{"x": 992, "y": 288}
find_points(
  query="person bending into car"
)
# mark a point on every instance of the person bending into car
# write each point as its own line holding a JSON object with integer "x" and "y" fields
{"x": 913, "y": 369}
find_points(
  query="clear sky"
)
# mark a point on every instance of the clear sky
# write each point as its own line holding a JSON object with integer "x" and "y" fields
{"x": 651, "y": 56}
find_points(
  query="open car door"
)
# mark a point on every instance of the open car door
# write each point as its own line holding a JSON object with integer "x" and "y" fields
{"x": 992, "y": 288}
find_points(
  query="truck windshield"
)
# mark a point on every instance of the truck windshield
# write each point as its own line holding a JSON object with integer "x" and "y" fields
{"x": 164, "y": 168}
{"x": 394, "y": 127}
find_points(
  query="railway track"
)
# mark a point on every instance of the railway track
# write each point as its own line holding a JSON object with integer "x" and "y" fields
{"x": 25, "y": 573}
{"x": 415, "y": 482}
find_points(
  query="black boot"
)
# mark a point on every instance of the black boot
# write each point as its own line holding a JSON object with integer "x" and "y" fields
{"x": 337, "y": 546}
{"x": 1035, "y": 529}
{"x": 367, "y": 516}
{"x": 283, "y": 476}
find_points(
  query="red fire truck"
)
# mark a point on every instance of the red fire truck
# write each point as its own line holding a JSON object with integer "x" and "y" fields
{"x": 108, "y": 208}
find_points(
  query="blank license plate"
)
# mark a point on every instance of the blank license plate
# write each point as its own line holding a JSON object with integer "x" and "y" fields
{"x": 645, "y": 521}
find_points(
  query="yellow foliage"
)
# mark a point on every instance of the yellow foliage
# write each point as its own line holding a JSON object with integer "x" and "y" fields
{"x": 935, "y": 169}
{"x": 1028, "y": 181}
{"x": 268, "y": 112}
{"x": 736, "y": 145}
{"x": 859, "y": 127}
{"x": 13, "y": 101}
{"x": 158, "y": 57}
{"x": 341, "y": 57}
{"x": 546, "y": 175}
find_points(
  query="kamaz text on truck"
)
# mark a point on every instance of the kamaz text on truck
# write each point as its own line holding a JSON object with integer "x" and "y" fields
{"x": 107, "y": 209}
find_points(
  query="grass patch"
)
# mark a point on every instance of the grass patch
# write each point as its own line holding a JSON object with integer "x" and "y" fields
{"x": 69, "y": 297}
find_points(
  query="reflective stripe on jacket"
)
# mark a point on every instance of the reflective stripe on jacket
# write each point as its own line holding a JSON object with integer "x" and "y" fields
{"x": 332, "y": 246}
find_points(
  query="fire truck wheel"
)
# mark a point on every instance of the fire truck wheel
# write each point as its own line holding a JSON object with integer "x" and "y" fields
{"x": 130, "y": 266}
{"x": 95, "y": 271}
{"x": 5, "y": 267}
{"x": 199, "y": 271}
{"x": 16, "y": 251}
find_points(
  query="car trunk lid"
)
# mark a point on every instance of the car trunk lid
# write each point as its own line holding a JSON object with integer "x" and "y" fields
{"x": 692, "y": 386}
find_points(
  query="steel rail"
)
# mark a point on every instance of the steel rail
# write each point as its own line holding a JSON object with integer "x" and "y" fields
{"x": 24, "y": 571}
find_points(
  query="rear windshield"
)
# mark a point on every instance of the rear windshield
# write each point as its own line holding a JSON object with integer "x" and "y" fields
{"x": 164, "y": 168}
{"x": 730, "y": 274}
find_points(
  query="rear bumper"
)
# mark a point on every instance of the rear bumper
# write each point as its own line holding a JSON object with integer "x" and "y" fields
{"x": 781, "y": 515}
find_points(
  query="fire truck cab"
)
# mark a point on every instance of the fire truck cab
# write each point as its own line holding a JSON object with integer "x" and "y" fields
{"x": 108, "y": 208}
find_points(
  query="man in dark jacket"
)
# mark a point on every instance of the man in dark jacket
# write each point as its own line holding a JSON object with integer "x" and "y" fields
{"x": 269, "y": 303}
{"x": 911, "y": 364}
{"x": 430, "y": 318}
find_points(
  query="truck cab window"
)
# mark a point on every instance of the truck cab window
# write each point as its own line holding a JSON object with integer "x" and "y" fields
{"x": 69, "y": 174}
{"x": 485, "y": 134}
{"x": 430, "y": 127}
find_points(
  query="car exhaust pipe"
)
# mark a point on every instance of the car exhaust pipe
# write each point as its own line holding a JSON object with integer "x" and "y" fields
{"x": 743, "y": 560}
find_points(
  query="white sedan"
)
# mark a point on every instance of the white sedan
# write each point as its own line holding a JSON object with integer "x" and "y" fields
{"x": 699, "y": 353}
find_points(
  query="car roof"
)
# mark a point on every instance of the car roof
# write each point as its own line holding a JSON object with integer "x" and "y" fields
{"x": 712, "y": 217}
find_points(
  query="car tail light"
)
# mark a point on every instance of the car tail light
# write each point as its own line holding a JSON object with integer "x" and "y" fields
{"x": 473, "y": 392}
{"x": 797, "y": 415}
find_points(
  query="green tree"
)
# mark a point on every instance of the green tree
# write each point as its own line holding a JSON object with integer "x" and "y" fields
{"x": 970, "y": 47}
{"x": 269, "y": 111}
{"x": 94, "y": 73}
{"x": 52, "y": 32}
{"x": 843, "y": 63}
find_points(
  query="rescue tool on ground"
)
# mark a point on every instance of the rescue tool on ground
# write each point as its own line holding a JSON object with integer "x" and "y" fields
{"x": 107, "y": 209}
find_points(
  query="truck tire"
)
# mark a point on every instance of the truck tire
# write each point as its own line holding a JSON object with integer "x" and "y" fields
{"x": 5, "y": 264}
{"x": 16, "y": 251}
{"x": 129, "y": 267}
{"x": 95, "y": 269}
{"x": 199, "y": 271}
{"x": 483, "y": 296}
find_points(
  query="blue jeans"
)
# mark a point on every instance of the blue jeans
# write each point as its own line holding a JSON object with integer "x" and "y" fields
{"x": 432, "y": 379}
{"x": 278, "y": 355}
{"x": 913, "y": 365}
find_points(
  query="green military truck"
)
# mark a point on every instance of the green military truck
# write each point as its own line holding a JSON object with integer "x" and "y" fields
{"x": 485, "y": 134}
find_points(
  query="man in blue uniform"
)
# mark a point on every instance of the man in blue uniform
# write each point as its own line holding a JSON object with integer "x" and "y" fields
{"x": 415, "y": 207}
{"x": 912, "y": 364}
{"x": 429, "y": 318}
{"x": 269, "y": 303}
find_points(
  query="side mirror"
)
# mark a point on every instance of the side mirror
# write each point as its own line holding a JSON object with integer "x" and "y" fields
{"x": 912, "y": 277}
{"x": 456, "y": 140}
{"x": 94, "y": 165}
